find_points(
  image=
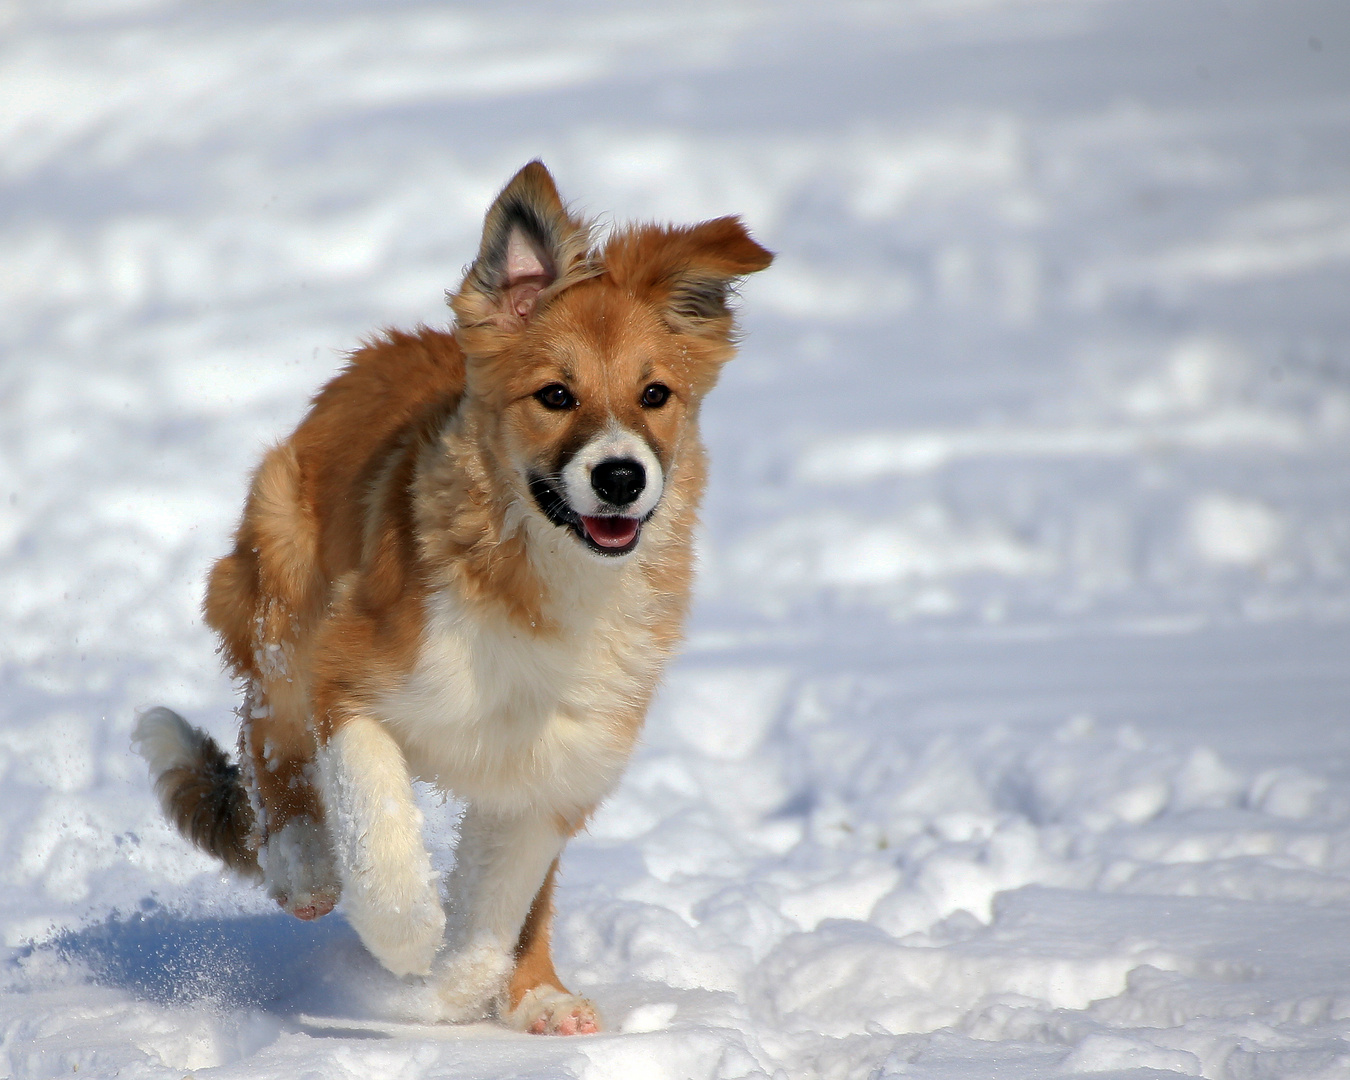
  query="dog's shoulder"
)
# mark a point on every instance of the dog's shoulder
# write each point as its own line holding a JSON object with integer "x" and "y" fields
{"x": 396, "y": 382}
{"x": 393, "y": 392}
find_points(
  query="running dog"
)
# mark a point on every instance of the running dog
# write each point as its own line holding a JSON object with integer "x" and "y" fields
{"x": 468, "y": 565}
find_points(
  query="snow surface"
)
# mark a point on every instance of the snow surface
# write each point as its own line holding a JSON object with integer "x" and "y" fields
{"x": 1011, "y": 737}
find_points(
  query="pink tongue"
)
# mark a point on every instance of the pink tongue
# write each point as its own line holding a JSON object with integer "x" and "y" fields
{"x": 613, "y": 532}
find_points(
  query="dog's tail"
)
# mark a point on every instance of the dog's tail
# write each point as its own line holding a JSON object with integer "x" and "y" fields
{"x": 199, "y": 788}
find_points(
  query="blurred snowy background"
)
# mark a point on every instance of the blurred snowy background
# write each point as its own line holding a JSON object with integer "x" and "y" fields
{"x": 1012, "y": 731}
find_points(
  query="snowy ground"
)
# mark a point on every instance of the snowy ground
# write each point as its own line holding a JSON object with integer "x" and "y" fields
{"x": 1011, "y": 737}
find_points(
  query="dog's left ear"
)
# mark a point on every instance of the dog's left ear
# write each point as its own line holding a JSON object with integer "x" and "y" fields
{"x": 530, "y": 244}
{"x": 691, "y": 271}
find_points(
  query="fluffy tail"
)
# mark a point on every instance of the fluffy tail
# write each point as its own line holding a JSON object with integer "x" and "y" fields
{"x": 198, "y": 787}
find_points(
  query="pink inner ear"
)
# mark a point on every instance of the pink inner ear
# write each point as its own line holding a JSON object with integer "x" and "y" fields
{"x": 528, "y": 273}
{"x": 521, "y": 298}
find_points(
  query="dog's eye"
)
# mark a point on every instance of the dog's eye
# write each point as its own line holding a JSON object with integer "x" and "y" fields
{"x": 555, "y": 396}
{"x": 655, "y": 396}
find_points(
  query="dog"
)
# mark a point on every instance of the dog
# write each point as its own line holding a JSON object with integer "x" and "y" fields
{"x": 468, "y": 565}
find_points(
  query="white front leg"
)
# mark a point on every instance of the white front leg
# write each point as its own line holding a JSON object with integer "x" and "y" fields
{"x": 388, "y": 886}
{"x": 500, "y": 864}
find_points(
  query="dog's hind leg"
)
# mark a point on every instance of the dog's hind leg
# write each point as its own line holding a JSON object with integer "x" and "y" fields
{"x": 264, "y": 599}
{"x": 387, "y": 879}
{"x": 277, "y": 749}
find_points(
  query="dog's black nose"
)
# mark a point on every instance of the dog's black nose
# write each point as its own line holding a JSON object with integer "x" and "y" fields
{"x": 619, "y": 480}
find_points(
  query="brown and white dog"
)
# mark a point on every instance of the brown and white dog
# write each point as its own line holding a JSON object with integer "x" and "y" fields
{"x": 468, "y": 565}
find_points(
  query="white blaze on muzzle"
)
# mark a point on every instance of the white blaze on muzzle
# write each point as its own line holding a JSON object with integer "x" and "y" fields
{"x": 613, "y": 445}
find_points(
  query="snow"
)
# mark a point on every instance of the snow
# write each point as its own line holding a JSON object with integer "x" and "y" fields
{"x": 1010, "y": 736}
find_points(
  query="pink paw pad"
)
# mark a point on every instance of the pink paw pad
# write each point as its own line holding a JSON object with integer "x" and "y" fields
{"x": 580, "y": 1019}
{"x": 317, "y": 908}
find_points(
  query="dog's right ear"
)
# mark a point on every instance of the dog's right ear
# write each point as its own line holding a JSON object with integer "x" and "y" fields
{"x": 531, "y": 247}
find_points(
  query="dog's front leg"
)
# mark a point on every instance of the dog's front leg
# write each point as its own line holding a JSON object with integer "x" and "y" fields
{"x": 500, "y": 906}
{"x": 388, "y": 886}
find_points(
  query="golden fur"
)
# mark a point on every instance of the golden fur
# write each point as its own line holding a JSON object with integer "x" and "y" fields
{"x": 405, "y": 491}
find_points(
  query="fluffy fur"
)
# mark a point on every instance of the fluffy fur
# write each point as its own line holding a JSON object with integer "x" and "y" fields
{"x": 468, "y": 565}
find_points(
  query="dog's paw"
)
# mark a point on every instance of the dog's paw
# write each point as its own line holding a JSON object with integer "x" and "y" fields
{"x": 546, "y": 1010}
{"x": 310, "y": 905}
{"x": 299, "y": 870}
{"x": 401, "y": 923}
{"x": 470, "y": 980}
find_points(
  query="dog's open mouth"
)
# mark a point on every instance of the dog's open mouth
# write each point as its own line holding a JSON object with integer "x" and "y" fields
{"x": 611, "y": 532}
{"x": 606, "y": 535}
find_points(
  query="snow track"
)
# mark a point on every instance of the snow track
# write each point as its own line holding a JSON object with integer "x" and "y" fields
{"x": 1011, "y": 737}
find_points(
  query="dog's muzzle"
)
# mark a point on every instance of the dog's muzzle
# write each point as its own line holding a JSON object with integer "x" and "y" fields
{"x": 604, "y": 533}
{"x": 604, "y": 492}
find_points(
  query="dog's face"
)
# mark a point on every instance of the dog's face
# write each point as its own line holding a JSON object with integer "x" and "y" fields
{"x": 592, "y": 364}
{"x": 597, "y": 404}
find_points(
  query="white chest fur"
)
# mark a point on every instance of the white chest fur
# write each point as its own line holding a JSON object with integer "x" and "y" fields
{"x": 519, "y": 722}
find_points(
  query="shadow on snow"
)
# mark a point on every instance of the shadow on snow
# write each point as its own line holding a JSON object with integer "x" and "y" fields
{"x": 260, "y": 961}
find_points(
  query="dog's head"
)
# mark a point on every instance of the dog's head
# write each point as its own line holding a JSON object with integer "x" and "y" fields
{"x": 588, "y": 364}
